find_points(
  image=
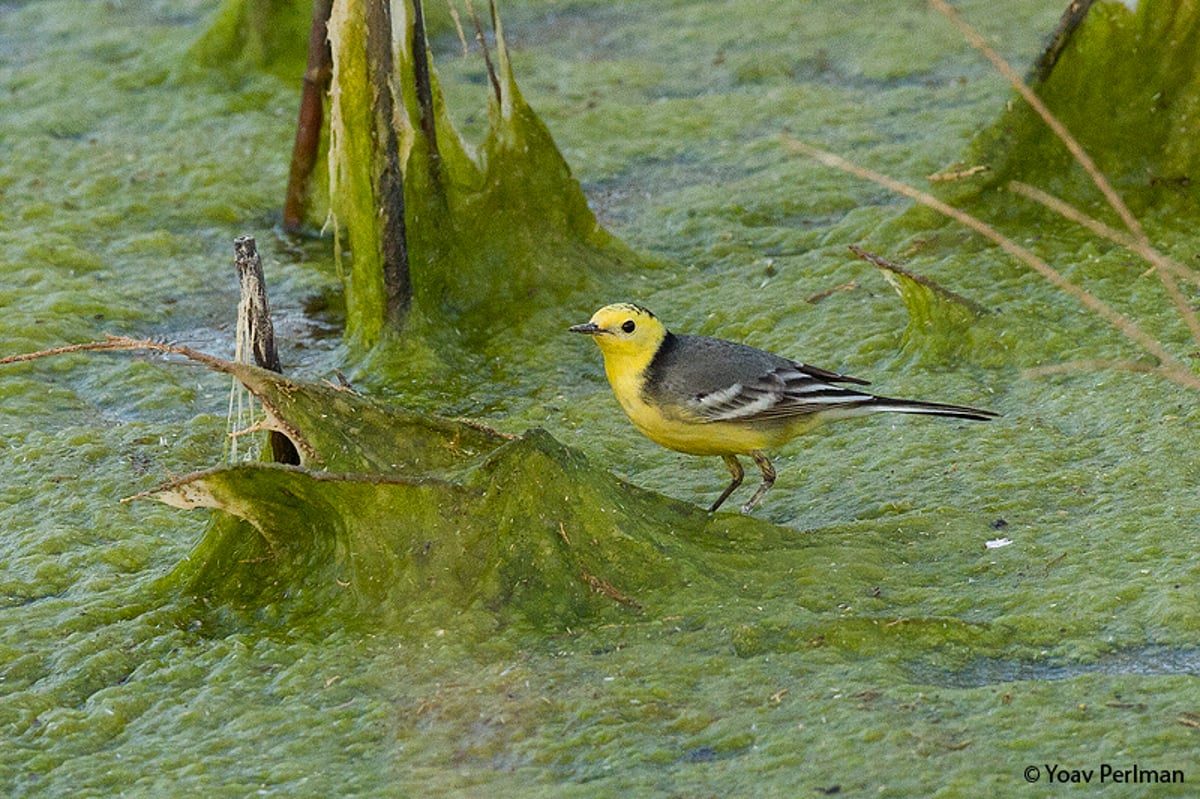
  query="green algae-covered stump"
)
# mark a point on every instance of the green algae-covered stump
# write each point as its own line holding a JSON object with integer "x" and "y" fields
{"x": 394, "y": 518}
{"x": 444, "y": 236}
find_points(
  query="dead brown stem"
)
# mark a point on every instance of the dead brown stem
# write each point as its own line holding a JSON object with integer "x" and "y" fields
{"x": 126, "y": 344}
{"x": 423, "y": 85}
{"x": 458, "y": 28}
{"x": 883, "y": 263}
{"x": 1068, "y": 211}
{"x": 389, "y": 178}
{"x": 122, "y": 343}
{"x": 487, "y": 58}
{"x": 1090, "y": 365}
{"x": 1074, "y": 15}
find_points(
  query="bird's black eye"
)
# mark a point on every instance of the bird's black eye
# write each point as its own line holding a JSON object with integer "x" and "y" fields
{"x": 629, "y": 326}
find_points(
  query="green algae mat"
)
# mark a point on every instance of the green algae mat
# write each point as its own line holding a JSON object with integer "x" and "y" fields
{"x": 480, "y": 579}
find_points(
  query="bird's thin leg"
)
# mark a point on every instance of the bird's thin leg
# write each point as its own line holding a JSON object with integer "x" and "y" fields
{"x": 735, "y": 469}
{"x": 768, "y": 473}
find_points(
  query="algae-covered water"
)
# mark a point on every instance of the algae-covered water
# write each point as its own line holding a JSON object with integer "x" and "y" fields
{"x": 885, "y": 650}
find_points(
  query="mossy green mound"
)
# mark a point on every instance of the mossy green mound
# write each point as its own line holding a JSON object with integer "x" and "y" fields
{"x": 400, "y": 519}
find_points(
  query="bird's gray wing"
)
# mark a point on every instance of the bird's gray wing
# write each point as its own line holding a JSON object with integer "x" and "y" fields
{"x": 783, "y": 392}
{"x": 715, "y": 380}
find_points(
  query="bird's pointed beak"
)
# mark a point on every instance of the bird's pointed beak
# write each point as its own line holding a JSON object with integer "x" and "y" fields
{"x": 590, "y": 329}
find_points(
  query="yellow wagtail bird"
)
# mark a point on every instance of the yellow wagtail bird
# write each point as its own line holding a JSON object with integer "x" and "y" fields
{"x": 708, "y": 396}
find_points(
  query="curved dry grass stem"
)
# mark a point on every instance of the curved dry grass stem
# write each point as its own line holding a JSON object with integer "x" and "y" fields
{"x": 1090, "y": 365}
{"x": 1166, "y": 268}
{"x": 1144, "y": 249}
{"x": 1068, "y": 211}
{"x": 1169, "y": 366}
{"x": 1181, "y": 374}
{"x": 1035, "y": 102}
{"x": 1138, "y": 242}
{"x": 121, "y": 343}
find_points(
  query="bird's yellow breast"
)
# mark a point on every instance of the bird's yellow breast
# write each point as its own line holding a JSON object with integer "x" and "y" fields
{"x": 673, "y": 428}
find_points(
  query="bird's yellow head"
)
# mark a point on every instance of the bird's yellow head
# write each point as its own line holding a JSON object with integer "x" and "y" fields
{"x": 628, "y": 335}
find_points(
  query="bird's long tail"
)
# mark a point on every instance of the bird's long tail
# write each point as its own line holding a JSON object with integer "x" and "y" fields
{"x": 887, "y": 404}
